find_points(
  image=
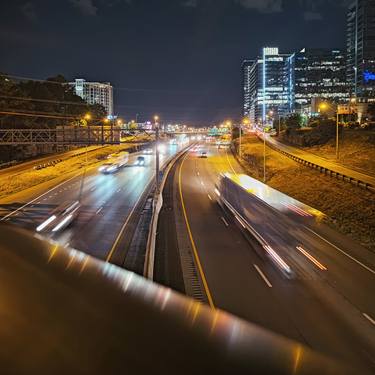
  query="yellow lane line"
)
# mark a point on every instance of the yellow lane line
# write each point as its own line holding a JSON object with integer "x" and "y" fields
{"x": 200, "y": 269}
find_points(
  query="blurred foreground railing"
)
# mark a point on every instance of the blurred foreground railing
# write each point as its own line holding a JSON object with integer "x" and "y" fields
{"x": 63, "y": 312}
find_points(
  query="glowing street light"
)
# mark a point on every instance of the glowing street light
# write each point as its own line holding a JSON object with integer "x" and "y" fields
{"x": 323, "y": 107}
{"x": 87, "y": 116}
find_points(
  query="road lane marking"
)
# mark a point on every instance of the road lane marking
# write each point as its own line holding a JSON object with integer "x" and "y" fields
{"x": 98, "y": 210}
{"x": 225, "y": 222}
{"x": 369, "y": 318}
{"x": 263, "y": 276}
{"x": 35, "y": 199}
{"x": 195, "y": 251}
{"x": 197, "y": 173}
{"x": 109, "y": 256}
{"x": 311, "y": 258}
{"x": 343, "y": 252}
{"x": 93, "y": 188}
{"x": 202, "y": 183}
{"x": 209, "y": 197}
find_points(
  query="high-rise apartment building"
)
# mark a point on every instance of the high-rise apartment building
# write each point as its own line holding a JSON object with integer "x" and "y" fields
{"x": 95, "y": 93}
{"x": 361, "y": 49}
{"x": 320, "y": 73}
{"x": 268, "y": 86}
{"x": 246, "y": 76}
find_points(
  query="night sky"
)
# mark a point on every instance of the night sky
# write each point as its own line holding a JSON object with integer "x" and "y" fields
{"x": 178, "y": 58}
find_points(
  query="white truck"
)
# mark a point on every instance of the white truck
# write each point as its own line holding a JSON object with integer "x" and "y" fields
{"x": 114, "y": 163}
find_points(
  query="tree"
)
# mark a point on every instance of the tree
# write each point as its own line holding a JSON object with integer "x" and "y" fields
{"x": 53, "y": 97}
{"x": 371, "y": 111}
{"x": 294, "y": 121}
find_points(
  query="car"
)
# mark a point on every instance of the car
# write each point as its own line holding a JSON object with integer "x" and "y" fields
{"x": 148, "y": 151}
{"x": 203, "y": 154}
{"x": 108, "y": 168}
{"x": 140, "y": 161}
{"x": 60, "y": 218}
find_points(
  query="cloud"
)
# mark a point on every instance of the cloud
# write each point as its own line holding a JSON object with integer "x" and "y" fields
{"x": 190, "y": 3}
{"x": 28, "y": 10}
{"x": 86, "y": 7}
{"x": 263, "y": 6}
{"x": 312, "y": 16}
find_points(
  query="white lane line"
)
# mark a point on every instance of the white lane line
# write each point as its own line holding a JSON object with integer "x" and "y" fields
{"x": 202, "y": 183}
{"x": 263, "y": 276}
{"x": 369, "y": 318}
{"x": 197, "y": 173}
{"x": 109, "y": 256}
{"x": 311, "y": 258}
{"x": 97, "y": 211}
{"x": 32, "y": 201}
{"x": 225, "y": 222}
{"x": 118, "y": 190}
{"x": 343, "y": 252}
{"x": 209, "y": 197}
{"x": 93, "y": 188}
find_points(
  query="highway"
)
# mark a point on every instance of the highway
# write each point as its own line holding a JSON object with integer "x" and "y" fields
{"x": 30, "y": 164}
{"x": 326, "y": 303}
{"x": 107, "y": 203}
{"x": 323, "y": 162}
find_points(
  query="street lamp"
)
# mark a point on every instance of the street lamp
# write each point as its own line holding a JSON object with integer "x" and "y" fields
{"x": 323, "y": 107}
{"x": 156, "y": 120}
{"x": 245, "y": 121}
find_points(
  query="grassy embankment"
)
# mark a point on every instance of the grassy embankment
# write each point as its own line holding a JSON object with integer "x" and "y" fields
{"x": 348, "y": 208}
{"x": 24, "y": 180}
{"x": 357, "y": 150}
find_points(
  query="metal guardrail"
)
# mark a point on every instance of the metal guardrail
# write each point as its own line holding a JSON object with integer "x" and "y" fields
{"x": 64, "y": 312}
{"x": 326, "y": 171}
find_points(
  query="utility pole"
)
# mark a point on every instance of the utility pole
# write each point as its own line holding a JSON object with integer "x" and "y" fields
{"x": 240, "y": 149}
{"x": 156, "y": 118}
{"x": 264, "y": 155}
{"x": 337, "y": 135}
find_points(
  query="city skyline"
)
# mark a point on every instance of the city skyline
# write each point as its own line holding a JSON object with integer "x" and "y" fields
{"x": 200, "y": 63}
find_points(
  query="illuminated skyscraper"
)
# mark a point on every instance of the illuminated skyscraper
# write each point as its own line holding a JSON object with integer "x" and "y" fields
{"x": 268, "y": 86}
{"x": 320, "y": 73}
{"x": 361, "y": 49}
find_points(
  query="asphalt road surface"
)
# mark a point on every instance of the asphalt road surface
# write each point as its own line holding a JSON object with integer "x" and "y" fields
{"x": 328, "y": 303}
{"x": 107, "y": 202}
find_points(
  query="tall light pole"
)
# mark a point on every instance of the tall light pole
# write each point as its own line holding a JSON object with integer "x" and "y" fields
{"x": 323, "y": 107}
{"x": 245, "y": 122}
{"x": 156, "y": 120}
